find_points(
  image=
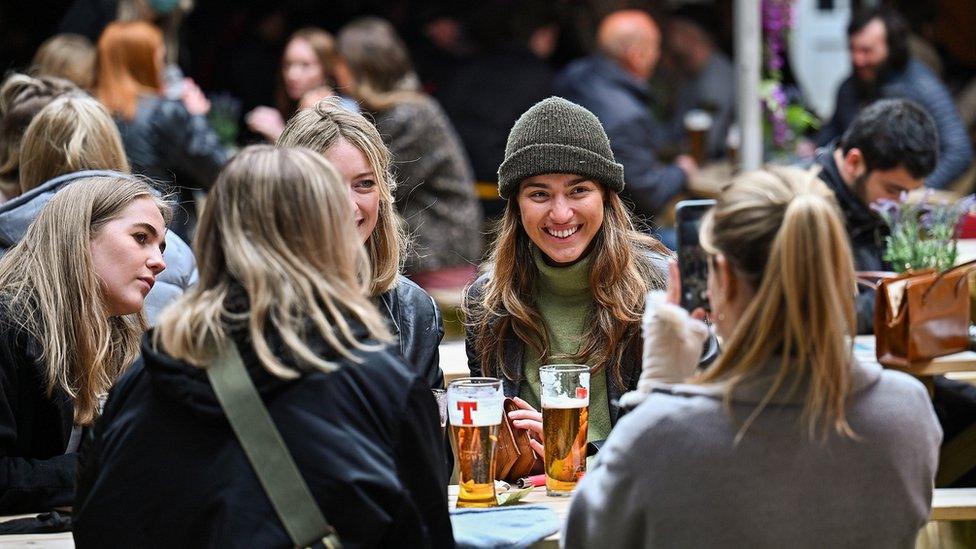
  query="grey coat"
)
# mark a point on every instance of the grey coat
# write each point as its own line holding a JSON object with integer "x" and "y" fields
{"x": 435, "y": 186}
{"x": 670, "y": 475}
{"x": 181, "y": 267}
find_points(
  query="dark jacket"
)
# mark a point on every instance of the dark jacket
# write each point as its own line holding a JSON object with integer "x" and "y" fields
{"x": 164, "y": 468}
{"x": 621, "y": 102}
{"x": 181, "y": 267}
{"x": 866, "y": 230}
{"x": 415, "y": 322}
{"x": 167, "y": 143}
{"x": 918, "y": 84}
{"x": 35, "y": 472}
{"x": 435, "y": 186}
{"x": 515, "y": 352}
{"x": 164, "y": 138}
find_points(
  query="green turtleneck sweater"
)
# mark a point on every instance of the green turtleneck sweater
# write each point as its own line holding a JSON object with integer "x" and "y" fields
{"x": 564, "y": 301}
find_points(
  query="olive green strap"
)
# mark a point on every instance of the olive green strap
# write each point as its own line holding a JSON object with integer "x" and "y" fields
{"x": 265, "y": 449}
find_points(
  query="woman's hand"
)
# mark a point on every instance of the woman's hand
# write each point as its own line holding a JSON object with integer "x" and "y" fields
{"x": 530, "y": 419}
{"x": 194, "y": 100}
{"x": 266, "y": 121}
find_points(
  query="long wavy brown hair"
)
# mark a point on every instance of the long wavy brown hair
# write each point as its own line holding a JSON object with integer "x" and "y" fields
{"x": 621, "y": 272}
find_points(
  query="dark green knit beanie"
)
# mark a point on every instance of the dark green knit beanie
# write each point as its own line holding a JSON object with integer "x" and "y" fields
{"x": 558, "y": 136}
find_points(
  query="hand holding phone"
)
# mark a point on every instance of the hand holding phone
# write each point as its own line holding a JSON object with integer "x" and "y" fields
{"x": 692, "y": 259}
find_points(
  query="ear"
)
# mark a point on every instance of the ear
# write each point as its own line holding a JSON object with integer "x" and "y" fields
{"x": 728, "y": 282}
{"x": 854, "y": 165}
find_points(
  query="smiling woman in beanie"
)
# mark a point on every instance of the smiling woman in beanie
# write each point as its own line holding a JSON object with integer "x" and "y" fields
{"x": 568, "y": 270}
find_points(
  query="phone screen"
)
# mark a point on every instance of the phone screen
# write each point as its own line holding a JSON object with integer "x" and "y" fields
{"x": 692, "y": 259}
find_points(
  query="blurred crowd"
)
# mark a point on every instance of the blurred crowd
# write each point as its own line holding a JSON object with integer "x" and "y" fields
{"x": 344, "y": 175}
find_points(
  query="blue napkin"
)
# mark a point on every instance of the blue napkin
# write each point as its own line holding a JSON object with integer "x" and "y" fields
{"x": 512, "y": 527}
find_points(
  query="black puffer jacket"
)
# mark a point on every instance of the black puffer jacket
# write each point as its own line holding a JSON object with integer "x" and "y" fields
{"x": 416, "y": 324}
{"x": 357, "y": 435}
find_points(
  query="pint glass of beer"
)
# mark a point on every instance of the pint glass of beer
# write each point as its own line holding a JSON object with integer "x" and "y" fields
{"x": 697, "y": 124}
{"x": 565, "y": 402}
{"x": 474, "y": 407}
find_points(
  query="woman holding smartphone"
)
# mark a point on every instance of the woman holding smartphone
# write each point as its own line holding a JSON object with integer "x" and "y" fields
{"x": 568, "y": 271}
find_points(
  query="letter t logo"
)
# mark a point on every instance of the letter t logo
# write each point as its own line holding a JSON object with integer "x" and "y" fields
{"x": 467, "y": 408}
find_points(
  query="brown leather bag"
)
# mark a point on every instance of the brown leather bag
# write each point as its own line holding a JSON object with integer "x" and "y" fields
{"x": 514, "y": 457}
{"x": 922, "y": 315}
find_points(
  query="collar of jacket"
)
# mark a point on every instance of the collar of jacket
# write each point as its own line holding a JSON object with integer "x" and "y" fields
{"x": 611, "y": 70}
{"x": 859, "y": 217}
{"x": 753, "y": 391}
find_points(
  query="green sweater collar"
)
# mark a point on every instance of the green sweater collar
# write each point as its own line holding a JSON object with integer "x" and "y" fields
{"x": 571, "y": 281}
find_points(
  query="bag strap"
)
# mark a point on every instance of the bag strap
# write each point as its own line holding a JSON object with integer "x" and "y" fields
{"x": 266, "y": 450}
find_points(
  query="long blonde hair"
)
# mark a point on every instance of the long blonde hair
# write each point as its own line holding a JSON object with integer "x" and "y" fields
{"x": 621, "y": 272}
{"x": 50, "y": 288}
{"x": 780, "y": 229}
{"x": 21, "y": 98}
{"x": 278, "y": 225}
{"x": 320, "y": 128}
{"x": 71, "y": 134}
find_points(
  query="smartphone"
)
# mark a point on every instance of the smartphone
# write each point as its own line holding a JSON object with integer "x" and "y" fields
{"x": 691, "y": 257}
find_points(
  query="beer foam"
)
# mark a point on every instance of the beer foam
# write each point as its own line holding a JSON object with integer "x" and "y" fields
{"x": 698, "y": 120}
{"x": 564, "y": 402}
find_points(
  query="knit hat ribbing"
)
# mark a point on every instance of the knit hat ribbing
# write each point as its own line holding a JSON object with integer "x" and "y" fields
{"x": 558, "y": 136}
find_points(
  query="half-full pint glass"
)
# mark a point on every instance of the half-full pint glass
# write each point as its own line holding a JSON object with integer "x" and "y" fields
{"x": 565, "y": 402}
{"x": 474, "y": 407}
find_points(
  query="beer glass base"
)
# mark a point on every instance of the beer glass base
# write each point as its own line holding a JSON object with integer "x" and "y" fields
{"x": 476, "y": 504}
{"x": 559, "y": 488}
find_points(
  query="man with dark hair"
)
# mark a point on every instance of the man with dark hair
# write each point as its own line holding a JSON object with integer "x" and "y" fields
{"x": 882, "y": 68}
{"x": 889, "y": 149}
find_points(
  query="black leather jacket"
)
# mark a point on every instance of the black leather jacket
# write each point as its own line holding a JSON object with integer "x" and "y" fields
{"x": 416, "y": 324}
{"x": 164, "y": 138}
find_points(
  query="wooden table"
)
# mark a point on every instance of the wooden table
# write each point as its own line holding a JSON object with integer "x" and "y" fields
{"x": 965, "y": 361}
{"x": 559, "y": 506}
{"x": 60, "y": 540}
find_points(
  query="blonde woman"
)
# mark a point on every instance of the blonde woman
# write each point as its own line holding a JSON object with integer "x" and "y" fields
{"x": 568, "y": 270}
{"x": 21, "y": 98}
{"x": 354, "y": 147}
{"x": 68, "y": 56}
{"x": 787, "y": 440}
{"x": 280, "y": 279}
{"x": 71, "y": 139}
{"x": 71, "y": 296}
{"x": 435, "y": 186}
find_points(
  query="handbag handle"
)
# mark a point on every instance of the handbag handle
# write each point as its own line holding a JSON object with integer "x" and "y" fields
{"x": 266, "y": 450}
{"x": 872, "y": 278}
{"x": 968, "y": 265}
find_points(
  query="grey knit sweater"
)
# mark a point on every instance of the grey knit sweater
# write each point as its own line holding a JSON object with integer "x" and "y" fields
{"x": 670, "y": 474}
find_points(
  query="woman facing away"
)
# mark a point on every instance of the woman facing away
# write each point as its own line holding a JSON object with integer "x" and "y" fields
{"x": 435, "y": 186}
{"x": 163, "y": 137}
{"x": 280, "y": 279}
{"x": 568, "y": 271}
{"x": 306, "y": 73}
{"x": 353, "y": 146}
{"x": 71, "y": 296}
{"x": 21, "y": 98}
{"x": 787, "y": 440}
{"x": 71, "y": 139}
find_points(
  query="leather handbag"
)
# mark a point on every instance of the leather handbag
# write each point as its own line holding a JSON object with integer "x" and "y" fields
{"x": 514, "y": 457}
{"x": 922, "y": 315}
{"x": 266, "y": 451}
